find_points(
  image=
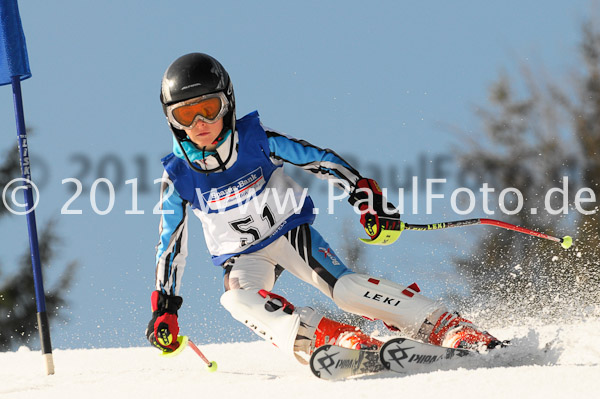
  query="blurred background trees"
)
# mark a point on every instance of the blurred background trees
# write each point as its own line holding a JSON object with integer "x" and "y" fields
{"x": 18, "y": 311}
{"x": 539, "y": 133}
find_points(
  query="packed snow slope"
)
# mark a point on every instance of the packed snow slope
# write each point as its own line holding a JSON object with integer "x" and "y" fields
{"x": 544, "y": 362}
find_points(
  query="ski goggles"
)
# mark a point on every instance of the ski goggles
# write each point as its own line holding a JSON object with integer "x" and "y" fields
{"x": 208, "y": 108}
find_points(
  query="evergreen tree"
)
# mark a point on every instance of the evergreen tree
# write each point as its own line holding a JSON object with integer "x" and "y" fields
{"x": 534, "y": 141}
{"x": 18, "y": 312}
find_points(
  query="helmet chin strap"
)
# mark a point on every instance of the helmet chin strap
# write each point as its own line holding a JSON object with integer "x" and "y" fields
{"x": 222, "y": 164}
{"x": 221, "y": 135}
{"x": 216, "y": 155}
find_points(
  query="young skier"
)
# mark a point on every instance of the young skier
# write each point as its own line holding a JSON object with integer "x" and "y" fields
{"x": 257, "y": 223}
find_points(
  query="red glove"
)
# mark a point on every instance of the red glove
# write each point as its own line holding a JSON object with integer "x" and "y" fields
{"x": 163, "y": 328}
{"x": 367, "y": 196}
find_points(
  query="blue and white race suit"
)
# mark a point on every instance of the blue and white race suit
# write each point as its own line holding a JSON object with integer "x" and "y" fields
{"x": 249, "y": 205}
{"x": 257, "y": 223}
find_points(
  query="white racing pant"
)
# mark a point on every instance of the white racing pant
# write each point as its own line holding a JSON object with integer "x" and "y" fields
{"x": 303, "y": 252}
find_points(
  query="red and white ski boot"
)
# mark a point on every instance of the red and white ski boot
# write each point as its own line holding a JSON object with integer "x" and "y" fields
{"x": 453, "y": 331}
{"x": 335, "y": 333}
{"x": 315, "y": 330}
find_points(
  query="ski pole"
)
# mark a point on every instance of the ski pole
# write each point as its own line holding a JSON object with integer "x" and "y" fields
{"x": 185, "y": 341}
{"x": 210, "y": 365}
{"x": 565, "y": 242}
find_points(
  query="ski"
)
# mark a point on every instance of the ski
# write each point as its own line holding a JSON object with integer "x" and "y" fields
{"x": 403, "y": 355}
{"x": 400, "y": 355}
{"x": 330, "y": 362}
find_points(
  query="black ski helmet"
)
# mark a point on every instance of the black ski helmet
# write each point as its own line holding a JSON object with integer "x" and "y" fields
{"x": 194, "y": 75}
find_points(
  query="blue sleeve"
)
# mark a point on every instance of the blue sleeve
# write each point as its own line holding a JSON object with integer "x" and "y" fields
{"x": 171, "y": 251}
{"x": 324, "y": 163}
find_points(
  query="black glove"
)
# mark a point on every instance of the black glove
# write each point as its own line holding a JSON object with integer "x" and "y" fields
{"x": 163, "y": 329}
{"x": 384, "y": 227}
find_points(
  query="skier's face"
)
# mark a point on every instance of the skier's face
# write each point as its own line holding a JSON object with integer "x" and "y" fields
{"x": 204, "y": 134}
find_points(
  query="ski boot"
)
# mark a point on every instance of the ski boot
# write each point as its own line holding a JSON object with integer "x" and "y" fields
{"x": 335, "y": 333}
{"x": 315, "y": 330}
{"x": 453, "y": 331}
